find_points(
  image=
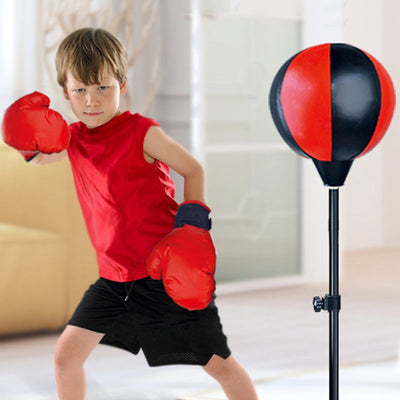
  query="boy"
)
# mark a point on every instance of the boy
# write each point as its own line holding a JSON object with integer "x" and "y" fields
{"x": 120, "y": 165}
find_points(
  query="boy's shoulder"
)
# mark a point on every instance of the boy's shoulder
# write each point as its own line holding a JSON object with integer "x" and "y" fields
{"x": 141, "y": 119}
{"x": 141, "y": 125}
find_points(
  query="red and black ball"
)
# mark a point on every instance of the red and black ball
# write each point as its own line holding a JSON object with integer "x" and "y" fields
{"x": 332, "y": 103}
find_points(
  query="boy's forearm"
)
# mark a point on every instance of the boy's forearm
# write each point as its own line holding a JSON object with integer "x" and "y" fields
{"x": 194, "y": 185}
{"x": 43, "y": 159}
{"x": 36, "y": 160}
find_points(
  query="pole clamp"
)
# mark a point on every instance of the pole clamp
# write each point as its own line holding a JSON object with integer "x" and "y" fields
{"x": 327, "y": 303}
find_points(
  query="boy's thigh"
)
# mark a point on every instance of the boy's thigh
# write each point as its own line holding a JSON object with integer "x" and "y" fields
{"x": 100, "y": 306}
{"x": 75, "y": 344}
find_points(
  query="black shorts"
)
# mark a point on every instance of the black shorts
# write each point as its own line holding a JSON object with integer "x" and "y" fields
{"x": 140, "y": 315}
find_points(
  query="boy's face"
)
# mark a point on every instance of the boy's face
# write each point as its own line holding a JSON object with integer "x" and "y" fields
{"x": 94, "y": 105}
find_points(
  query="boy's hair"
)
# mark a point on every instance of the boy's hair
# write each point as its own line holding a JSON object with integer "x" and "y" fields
{"x": 89, "y": 54}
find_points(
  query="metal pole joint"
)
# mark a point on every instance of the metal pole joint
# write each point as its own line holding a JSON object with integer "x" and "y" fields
{"x": 327, "y": 303}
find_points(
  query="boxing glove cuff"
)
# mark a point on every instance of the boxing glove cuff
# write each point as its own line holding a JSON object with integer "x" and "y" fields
{"x": 193, "y": 213}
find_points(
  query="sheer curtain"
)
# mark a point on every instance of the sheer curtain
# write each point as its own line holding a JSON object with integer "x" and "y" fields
{"x": 7, "y": 48}
{"x": 19, "y": 49}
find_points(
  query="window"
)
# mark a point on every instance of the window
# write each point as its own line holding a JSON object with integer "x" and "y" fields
{"x": 253, "y": 178}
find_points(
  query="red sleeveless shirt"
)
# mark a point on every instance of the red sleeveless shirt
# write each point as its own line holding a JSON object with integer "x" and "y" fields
{"x": 128, "y": 204}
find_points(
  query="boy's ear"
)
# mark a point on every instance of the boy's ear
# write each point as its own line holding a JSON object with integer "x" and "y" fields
{"x": 65, "y": 93}
{"x": 123, "y": 88}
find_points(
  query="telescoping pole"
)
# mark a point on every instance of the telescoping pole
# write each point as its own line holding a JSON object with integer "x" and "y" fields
{"x": 331, "y": 302}
{"x": 334, "y": 292}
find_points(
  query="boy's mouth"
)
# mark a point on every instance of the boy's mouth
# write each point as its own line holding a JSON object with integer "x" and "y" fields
{"x": 92, "y": 114}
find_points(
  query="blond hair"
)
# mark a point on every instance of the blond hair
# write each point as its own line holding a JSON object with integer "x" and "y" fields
{"x": 89, "y": 54}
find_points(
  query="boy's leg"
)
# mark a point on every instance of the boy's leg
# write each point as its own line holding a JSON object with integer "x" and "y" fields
{"x": 232, "y": 377}
{"x": 72, "y": 349}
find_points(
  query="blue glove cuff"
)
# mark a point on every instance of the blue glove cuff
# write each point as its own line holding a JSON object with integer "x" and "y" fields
{"x": 193, "y": 214}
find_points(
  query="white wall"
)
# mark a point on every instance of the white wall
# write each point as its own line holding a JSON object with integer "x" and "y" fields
{"x": 262, "y": 8}
{"x": 173, "y": 101}
{"x": 371, "y": 195}
{"x": 391, "y": 145}
{"x": 363, "y": 192}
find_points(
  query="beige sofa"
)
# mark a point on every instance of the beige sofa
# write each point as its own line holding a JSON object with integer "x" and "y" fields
{"x": 46, "y": 259}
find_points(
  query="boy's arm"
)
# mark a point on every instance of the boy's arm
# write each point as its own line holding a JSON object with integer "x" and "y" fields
{"x": 161, "y": 147}
{"x": 42, "y": 159}
{"x": 185, "y": 258}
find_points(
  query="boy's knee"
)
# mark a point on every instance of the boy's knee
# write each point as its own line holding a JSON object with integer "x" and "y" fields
{"x": 74, "y": 346}
{"x": 65, "y": 356}
{"x": 219, "y": 368}
{"x": 62, "y": 358}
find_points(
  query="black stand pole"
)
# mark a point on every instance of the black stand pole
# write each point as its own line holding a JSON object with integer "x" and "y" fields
{"x": 331, "y": 301}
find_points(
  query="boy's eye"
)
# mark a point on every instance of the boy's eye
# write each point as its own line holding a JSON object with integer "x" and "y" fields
{"x": 80, "y": 90}
{"x": 103, "y": 87}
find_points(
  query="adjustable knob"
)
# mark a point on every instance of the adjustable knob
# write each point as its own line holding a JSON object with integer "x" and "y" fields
{"x": 318, "y": 303}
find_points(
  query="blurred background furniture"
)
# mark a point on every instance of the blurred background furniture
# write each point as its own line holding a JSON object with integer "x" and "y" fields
{"x": 46, "y": 257}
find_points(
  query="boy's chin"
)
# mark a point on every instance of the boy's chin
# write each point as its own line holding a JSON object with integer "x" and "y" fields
{"x": 95, "y": 123}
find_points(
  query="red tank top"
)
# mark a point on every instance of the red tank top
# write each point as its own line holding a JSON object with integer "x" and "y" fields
{"x": 128, "y": 204}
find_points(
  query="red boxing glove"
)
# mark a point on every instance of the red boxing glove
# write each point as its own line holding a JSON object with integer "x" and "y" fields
{"x": 30, "y": 126}
{"x": 185, "y": 258}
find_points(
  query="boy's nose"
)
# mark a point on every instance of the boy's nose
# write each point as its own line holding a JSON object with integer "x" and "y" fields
{"x": 91, "y": 100}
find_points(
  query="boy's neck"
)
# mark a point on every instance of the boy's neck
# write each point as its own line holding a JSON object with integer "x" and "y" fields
{"x": 118, "y": 112}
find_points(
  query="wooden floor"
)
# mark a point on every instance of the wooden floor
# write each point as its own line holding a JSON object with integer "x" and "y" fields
{"x": 272, "y": 332}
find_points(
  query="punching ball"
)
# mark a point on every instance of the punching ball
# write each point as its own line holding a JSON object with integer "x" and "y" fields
{"x": 332, "y": 103}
